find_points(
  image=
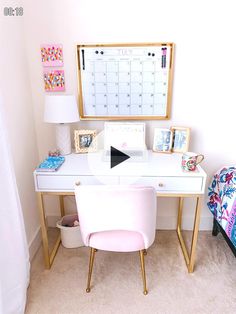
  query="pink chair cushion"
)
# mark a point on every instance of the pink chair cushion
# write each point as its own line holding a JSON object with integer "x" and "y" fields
{"x": 117, "y": 240}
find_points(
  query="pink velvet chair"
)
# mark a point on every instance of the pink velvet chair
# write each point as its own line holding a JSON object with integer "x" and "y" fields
{"x": 117, "y": 218}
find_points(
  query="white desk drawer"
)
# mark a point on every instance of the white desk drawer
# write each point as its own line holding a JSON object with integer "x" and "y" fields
{"x": 169, "y": 184}
{"x": 67, "y": 183}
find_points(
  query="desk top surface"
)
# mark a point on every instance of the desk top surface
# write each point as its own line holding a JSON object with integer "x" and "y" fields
{"x": 155, "y": 164}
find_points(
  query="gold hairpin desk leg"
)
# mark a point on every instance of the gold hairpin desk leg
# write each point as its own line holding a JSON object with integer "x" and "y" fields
{"x": 48, "y": 257}
{"x": 189, "y": 258}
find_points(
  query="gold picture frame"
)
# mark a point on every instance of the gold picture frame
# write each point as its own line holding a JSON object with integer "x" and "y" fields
{"x": 112, "y": 104}
{"x": 181, "y": 139}
{"x": 162, "y": 140}
{"x": 85, "y": 141}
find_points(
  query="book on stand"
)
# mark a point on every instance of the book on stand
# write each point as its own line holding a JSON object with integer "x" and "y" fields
{"x": 51, "y": 164}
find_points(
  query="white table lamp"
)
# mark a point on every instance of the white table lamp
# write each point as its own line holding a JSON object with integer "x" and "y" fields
{"x": 61, "y": 109}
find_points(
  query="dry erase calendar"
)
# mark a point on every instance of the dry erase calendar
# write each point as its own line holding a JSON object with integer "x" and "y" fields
{"x": 125, "y": 81}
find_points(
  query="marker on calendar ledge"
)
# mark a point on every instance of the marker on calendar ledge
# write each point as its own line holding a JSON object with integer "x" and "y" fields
{"x": 83, "y": 63}
{"x": 163, "y": 57}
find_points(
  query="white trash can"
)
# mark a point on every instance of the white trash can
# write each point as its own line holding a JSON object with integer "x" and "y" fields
{"x": 70, "y": 236}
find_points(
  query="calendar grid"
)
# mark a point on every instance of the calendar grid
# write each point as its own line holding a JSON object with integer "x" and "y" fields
{"x": 118, "y": 82}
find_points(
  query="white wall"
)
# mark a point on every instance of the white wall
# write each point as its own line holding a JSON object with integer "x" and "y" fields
{"x": 16, "y": 93}
{"x": 203, "y": 94}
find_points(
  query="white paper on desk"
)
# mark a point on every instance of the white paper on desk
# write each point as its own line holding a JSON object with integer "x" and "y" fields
{"x": 130, "y": 135}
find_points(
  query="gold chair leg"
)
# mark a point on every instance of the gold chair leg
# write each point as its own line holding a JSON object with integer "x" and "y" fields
{"x": 141, "y": 253}
{"x": 91, "y": 260}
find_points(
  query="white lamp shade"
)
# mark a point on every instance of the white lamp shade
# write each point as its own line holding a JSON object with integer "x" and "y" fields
{"x": 60, "y": 109}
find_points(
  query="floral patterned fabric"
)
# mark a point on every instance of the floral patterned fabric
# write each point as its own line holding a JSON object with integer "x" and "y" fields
{"x": 222, "y": 200}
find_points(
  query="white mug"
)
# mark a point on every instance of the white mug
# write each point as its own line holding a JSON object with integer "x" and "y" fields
{"x": 190, "y": 161}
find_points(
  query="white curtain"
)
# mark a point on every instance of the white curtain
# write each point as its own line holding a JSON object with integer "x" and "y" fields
{"x": 14, "y": 255}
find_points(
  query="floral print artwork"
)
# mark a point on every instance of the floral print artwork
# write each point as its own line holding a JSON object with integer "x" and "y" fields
{"x": 54, "y": 80}
{"x": 51, "y": 55}
{"x": 222, "y": 200}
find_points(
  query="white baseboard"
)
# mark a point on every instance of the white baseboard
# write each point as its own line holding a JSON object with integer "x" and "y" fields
{"x": 35, "y": 243}
{"x": 206, "y": 223}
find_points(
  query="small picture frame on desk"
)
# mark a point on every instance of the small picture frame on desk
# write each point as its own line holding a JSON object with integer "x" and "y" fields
{"x": 181, "y": 137}
{"x": 85, "y": 141}
{"x": 162, "y": 142}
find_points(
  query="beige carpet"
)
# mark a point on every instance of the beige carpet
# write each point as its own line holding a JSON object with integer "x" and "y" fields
{"x": 117, "y": 283}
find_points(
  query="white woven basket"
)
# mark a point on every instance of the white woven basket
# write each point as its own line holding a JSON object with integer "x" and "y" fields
{"x": 70, "y": 236}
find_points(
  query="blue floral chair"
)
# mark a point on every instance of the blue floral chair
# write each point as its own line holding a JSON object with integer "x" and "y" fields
{"x": 222, "y": 204}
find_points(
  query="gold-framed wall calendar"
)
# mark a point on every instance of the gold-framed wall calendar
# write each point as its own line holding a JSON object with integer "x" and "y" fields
{"x": 125, "y": 81}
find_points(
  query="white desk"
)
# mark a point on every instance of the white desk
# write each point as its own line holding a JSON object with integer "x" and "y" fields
{"x": 162, "y": 171}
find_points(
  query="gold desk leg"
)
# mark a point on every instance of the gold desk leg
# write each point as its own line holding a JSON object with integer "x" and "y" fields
{"x": 180, "y": 210}
{"x": 48, "y": 258}
{"x": 189, "y": 259}
{"x": 62, "y": 208}
{"x": 195, "y": 234}
{"x": 43, "y": 230}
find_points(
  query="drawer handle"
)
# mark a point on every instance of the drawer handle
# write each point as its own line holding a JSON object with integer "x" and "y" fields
{"x": 77, "y": 183}
{"x": 161, "y": 185}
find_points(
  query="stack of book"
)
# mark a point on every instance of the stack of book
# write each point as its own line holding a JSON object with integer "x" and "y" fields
{"x": 51, "y": 164}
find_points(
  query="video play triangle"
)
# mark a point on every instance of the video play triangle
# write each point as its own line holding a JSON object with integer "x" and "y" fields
{"x": 117, "y": 157}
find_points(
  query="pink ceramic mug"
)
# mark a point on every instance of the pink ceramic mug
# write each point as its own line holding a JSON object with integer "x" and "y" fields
{"x": 191, "y": 160}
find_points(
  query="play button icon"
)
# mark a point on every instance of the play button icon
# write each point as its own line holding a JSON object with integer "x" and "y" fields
{"x": 106, "y": 166}
{"x": 117, "y": 157}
